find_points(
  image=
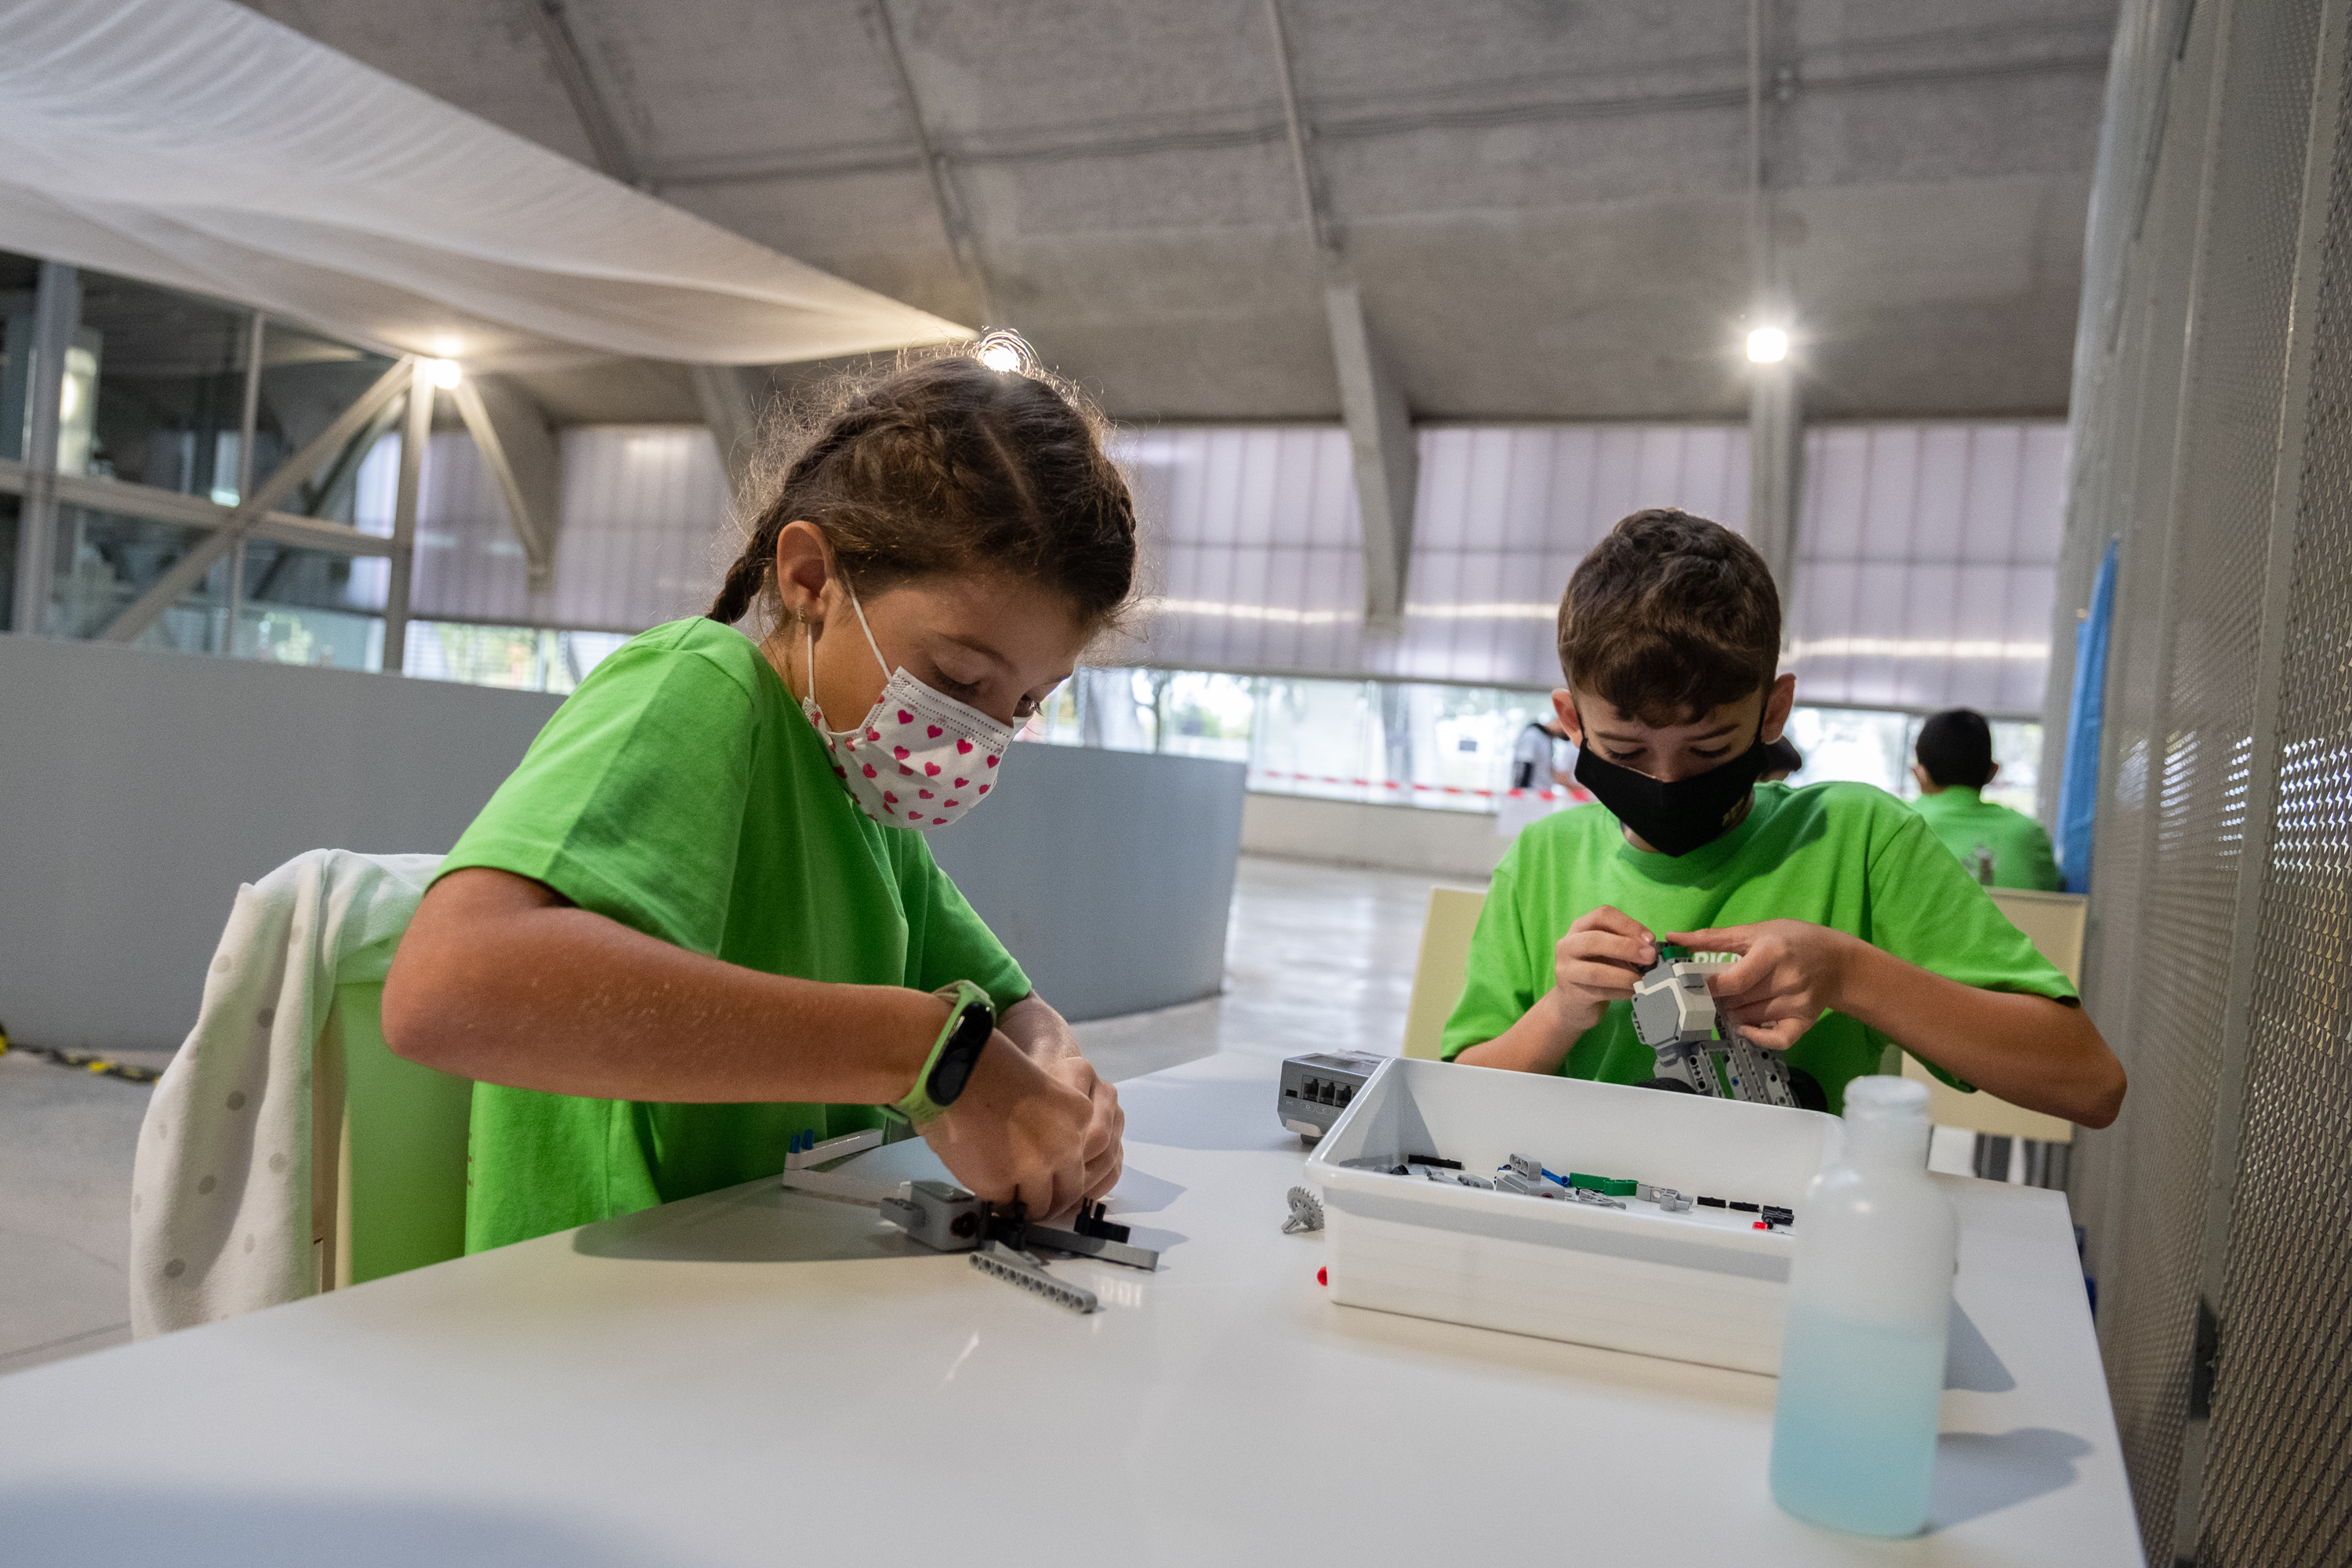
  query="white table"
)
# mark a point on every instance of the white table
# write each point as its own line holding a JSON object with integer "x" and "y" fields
{"x": 758, "y": 1377}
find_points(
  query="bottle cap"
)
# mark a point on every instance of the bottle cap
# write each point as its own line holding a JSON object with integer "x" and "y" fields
{"x": 1885, "y": 1096}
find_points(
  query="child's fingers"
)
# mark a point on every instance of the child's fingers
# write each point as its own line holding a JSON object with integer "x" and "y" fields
{"x": 1635, "y": 950}
{"x": 1754, "y": 970}
{"x": 1723, "y": 938}
{"x": 1606, "y": 919}
{"x": 1597, "y": 979}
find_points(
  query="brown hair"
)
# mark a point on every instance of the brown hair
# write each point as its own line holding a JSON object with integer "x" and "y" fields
{"x": 1669, "y": 618}
{"x": 943, "y": 466}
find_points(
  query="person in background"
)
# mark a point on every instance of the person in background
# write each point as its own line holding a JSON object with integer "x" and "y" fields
{"x": 1540, "y": 785}
{"x": 2000, "y": 848}
{"x": 1780, "y": 760}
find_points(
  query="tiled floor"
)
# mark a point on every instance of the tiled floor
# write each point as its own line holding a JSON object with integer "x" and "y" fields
{"x": 66, "y": 1138}
{"x": 1317, "y": 958}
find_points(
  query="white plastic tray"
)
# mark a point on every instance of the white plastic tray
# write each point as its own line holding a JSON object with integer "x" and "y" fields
{"x": 1704, "y": 1285}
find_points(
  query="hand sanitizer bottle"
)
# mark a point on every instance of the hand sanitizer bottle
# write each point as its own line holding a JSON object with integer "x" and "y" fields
{"x": 1870, "y": 1298}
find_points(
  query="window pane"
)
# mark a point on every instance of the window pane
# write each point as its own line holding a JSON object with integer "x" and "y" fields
{"x": 170, "y": 381}
{"x": 2017, "y": 747}
{"x": 306, "y": 380}
{"x": 1857, "y": 744}
{"x": 288, "y": 576}
{"x": 9, "y": 506}
{"x": 519, "y": 659}
{"x": 105, "y": 562}
{"x": 290, "y": 635}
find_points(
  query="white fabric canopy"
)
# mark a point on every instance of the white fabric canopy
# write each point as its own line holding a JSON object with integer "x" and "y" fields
{"x": 197, "y": 144}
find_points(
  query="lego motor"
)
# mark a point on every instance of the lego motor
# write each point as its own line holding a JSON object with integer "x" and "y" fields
{"x": 1701, "y": 1052}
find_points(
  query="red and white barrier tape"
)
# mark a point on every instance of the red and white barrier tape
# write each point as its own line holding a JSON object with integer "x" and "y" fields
{"x": 1569, "y": 792}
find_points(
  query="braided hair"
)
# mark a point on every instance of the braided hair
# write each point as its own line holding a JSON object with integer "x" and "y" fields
{"x": 942, "y": 466}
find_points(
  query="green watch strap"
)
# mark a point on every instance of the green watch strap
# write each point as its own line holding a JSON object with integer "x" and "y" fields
{"x": 918, "y": 1106}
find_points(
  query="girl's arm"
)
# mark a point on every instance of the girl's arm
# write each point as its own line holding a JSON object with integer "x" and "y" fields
{"x": 500, "y": 979}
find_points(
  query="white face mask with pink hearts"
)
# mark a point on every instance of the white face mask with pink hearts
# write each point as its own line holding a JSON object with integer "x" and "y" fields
{"x": 921, "y": 759}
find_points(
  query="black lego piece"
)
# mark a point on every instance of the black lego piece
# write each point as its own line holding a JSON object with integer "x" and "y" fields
{"x": 1710, "y": 1202}
{"x": 1743, "y": 1208}
{"x": 1432, "y": 1159}
{"x": 1773, "y": 1216}
{"x": 1090, "y": 1222}
{"x": 1007, "y": 1223}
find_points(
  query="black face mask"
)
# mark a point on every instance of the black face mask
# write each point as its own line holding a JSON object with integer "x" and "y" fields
{"x": 1674, "y": 816}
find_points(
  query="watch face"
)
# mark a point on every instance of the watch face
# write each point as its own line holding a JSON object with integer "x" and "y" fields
{"x": 960, "y": 1054}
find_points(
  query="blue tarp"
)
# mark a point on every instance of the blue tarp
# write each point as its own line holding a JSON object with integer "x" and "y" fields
{"x": 2078, "y": 784}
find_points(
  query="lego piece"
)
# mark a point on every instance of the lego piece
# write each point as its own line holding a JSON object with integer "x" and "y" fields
{"x": 1099, "y": 1248}
{"x": 939, "y": 1215}
{"x": 1743, "y": 1208}
{"x": 1670, "y": 1201}
{"x": 1317, "y": 1088}
{"x": 803, "y": 1151}
{"x": 1609, "y": 1187}
{"x": 1525, "y": 1177}
{"x": 1587, "y": 1196}
{"x": 1710, "y": 1202}
{"x": 1778, "y": 1215}
{"x": 832, "y": 1184}
{"x": 1090, "y": 1222}
{"x": 1017, "y": 1268}
{"x": 1305, "y": 1212}
{"x": 1432, "y": 1159}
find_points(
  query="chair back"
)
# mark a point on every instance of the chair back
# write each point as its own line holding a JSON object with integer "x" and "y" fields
{"x": 388, "y": 1188}
{"x": 1444, "y": 961}
{"x": 2054, "y": 922}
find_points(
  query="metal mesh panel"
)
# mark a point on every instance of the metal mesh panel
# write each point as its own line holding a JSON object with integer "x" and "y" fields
{"x": 2155, "y": 824}
{"x": 2182, "y": 454}
{"x": 2280, "y": 1446}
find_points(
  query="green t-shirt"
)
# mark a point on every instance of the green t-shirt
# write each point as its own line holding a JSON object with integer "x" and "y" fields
{"x": 680, "y": 791}
{"x": 1963, "y": 819}
{"x": 1840, "y": 855}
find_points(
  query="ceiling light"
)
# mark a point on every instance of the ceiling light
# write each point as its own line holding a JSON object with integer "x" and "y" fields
{"x": 444, "y": 374}
{"x": 1767, "y": 345}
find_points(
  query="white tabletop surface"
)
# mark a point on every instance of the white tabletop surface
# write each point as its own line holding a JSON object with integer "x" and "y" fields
{"x": 758, "y": 1376}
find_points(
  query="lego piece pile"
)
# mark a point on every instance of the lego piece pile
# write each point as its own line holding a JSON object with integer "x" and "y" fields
{"x": 1526, "y": 1177}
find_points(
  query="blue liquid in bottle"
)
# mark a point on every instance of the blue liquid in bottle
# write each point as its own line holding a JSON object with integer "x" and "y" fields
{"x": 1854, "y": 1433}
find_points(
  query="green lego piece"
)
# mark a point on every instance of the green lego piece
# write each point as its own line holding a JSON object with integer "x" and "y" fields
{"x": 1670, "y": 952}
{"x": 1607, "y": 1186}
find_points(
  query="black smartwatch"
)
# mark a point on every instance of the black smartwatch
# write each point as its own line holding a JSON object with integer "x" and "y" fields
{"x": 972, "y": 1024}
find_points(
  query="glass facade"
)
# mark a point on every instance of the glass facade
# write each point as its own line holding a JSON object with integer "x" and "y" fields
{"x": 517, "y": 659}
{"x": 1254, "y": 646}
{"x": 1429, "y": 745}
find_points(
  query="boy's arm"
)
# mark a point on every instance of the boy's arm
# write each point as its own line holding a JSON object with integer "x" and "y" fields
{"x": 2030, "y": 1050}
{"x": 1594, "y": 965}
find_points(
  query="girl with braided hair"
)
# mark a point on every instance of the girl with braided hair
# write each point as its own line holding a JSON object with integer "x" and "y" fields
{"x": 700, "y": 920}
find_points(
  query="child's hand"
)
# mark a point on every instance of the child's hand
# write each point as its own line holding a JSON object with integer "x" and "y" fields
{"x": 1016, "y": 1132}
{"x": 1789, "y": 973}
{"x": 1596, "y": 963}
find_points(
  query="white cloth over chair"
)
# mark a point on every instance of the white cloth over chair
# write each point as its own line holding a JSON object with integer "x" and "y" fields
{"x": 220, "y": 1192}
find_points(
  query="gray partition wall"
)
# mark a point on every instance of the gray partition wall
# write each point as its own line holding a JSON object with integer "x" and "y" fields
{"x": 2212, "y": 426}
{"x": 138, "y": 789}
{"x": 1109, "y": 874}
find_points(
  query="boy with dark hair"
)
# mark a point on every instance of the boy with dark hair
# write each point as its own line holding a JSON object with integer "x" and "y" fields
{"x": 1855, "y": 928}
{"x": 2000, "y": 848}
